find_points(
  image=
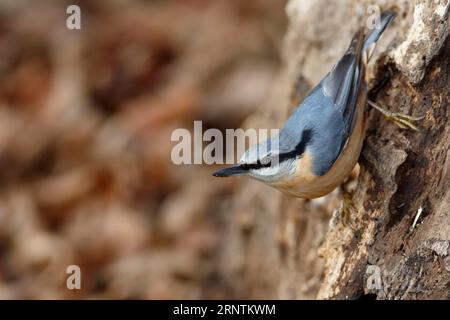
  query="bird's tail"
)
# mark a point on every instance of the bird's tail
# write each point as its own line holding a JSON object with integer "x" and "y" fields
{"x": 374, "y": 34}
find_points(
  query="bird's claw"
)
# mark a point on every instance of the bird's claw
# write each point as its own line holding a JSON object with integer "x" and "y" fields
{"x": 347, "y": 207}
{"x": 403, "y": 121}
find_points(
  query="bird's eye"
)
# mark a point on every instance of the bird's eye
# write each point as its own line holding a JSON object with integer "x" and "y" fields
{"x": 265, "y": 162}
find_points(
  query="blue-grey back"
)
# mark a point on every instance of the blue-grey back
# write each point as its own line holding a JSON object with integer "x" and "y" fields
{"x": 320, "y": 115}
{"x": 328, "y": 113}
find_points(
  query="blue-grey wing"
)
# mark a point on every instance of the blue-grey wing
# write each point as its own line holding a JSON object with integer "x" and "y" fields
{"x": 317, "y": 125}
{"x": 328, "y": 113}
{"x": 343, "y": 84}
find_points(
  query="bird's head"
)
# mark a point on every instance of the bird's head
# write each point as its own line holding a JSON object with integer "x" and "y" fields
{"x": 262, "y": 162}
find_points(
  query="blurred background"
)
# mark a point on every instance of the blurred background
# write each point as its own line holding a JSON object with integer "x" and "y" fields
{"x": 85, "y": 122}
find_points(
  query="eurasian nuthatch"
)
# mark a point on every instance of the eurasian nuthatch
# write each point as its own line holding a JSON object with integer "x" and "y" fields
{"x": 321, "y": 141}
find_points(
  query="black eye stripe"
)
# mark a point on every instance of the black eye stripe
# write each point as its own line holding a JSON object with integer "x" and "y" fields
{"x": 257, "y": 165}
{"x": 299, "y": 148}
{"x": 297, "y": 151}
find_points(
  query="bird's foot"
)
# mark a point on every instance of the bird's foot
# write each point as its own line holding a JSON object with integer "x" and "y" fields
{"x": 404, "y": 121}
{"x": 346, "y": 211}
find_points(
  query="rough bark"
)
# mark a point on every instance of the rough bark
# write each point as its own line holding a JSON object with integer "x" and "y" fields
{"x": 281, "y": 247}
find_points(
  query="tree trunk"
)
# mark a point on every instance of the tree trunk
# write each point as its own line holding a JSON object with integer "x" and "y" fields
{"x": 399, "y": 246}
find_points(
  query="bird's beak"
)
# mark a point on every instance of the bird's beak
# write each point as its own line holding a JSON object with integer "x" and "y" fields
{"x": 230, "y": 171}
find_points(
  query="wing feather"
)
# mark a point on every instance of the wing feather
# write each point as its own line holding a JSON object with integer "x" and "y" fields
{"x": 328, "y": 111}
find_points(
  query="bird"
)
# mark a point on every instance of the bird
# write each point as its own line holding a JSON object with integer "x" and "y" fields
{"x": 321, "y": 141}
